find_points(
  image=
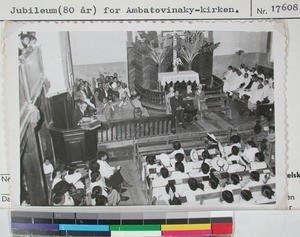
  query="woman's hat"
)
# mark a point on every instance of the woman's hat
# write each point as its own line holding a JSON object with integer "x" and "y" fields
{"x": 194, "y": 155}
{"x": 219, "y": 164}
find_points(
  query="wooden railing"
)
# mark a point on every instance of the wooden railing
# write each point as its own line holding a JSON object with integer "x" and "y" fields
{"x": 155, "y": 98}
{"x": 217, "y": 87}
{"x": 123, "y": 130}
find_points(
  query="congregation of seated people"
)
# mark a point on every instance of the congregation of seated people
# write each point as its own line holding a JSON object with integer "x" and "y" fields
{"x": 97, "y": 183}
{"x": 111, "y": 98}
{"x": 218, "y": 174}
{"x": 252, "y": 86}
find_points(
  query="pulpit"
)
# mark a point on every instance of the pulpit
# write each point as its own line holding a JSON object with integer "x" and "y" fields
{"x": 74, "y": 144}
{"x": 70, "y": 143}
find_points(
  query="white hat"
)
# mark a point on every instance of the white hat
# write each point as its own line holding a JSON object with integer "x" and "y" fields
{"x": 219, "y": 164}
{"x": 194, "y": 155}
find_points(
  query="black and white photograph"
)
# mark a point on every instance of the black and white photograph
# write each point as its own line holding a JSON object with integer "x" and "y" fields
{"x": 156, "y": 116}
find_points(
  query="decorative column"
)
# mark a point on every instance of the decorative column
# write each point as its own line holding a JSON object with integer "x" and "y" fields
{"x": 175, "y": 67}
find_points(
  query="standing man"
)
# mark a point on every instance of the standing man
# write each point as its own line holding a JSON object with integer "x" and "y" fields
{"x": 177, "y": 106}
{"x": 80, "y": 112}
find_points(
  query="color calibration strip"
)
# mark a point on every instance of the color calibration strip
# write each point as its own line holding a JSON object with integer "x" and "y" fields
{"x": 122, "y": 224}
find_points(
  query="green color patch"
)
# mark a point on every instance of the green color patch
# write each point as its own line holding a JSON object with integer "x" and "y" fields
{"x": 134, "y": 228}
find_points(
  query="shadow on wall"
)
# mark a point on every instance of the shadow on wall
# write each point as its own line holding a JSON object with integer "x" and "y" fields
{"x": 221, "y": 62}
{"x": 88, "y": 71}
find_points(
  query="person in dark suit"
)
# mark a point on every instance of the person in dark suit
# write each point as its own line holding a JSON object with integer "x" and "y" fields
{"x": 177, "y": 106}
{"x": 80, "y": 112}
{"x": 87, "y": 90}
{"x": 101, "y": 92}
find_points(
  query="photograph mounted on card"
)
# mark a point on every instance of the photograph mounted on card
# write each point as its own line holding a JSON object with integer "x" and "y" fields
{"x": 179, "y": 114}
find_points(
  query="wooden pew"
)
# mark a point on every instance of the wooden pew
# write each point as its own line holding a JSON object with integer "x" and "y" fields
{"x": 199, "y": 197}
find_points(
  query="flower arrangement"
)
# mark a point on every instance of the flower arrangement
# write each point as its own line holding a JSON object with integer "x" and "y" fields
{"x": 177, "y": 62}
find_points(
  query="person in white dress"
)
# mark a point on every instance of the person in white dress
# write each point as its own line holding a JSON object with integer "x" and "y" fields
{"x": 60, "y": 194}
{"x": 195, "y": 189}
{"x": 167, "y": 99}
{"x": 250, "y": 151}
{"x": 228, "y": 73}
{"x": 162, "y": 178}
{"x": 179, "y": 172}
{"x": 266, "y": 195}
{"x": 254, "y": 180}
{"x": 259, "y": 162}
{"x": 256, "y": 96}
{"x": 176, "y": 149}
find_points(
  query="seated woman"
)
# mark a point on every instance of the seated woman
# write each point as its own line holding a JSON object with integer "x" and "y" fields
{"x": 212, "y": 187}
{"x": 124, "y": 91}
{"x": 112, "y": 195}
{"x": 259, "y": 162}
{"x": 112, "y": 175}
{"x": 227, "y": 197}
{"x": 170, "y": 197}
{"x": 136, "y": 101}
{"x": 60, "y": 194}
{"x": 101, "y": 200}
{"x": 74, "y": 177}
{"x": 234, "y": 184}
{"x": 256, "y": 96}
{"x": 56, "y": 177}
{"x": 250, "y": 151}
{"x": 98, "y": 180}
{"x": 178, "y": 157}
{"x": 266, "y": 195}
{"x": 254, "y": 180}
{"x": 234, "y": 157}
{"x": 235, "y": 140}
{"x": 96, "y": 191}
{"x": 195, "y": 188}
{"x": 204, "y": 170}
{"x": 246, "y": 197}
{"x": 176, "y": 149}
{"x": 179, "y": 172}
{"x": 162, "y": 178}
{"x": 151, "y": 165}
{"x": 206, "y": 157}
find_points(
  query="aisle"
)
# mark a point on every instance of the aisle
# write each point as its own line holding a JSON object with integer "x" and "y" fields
{"x": 136, "y": 194}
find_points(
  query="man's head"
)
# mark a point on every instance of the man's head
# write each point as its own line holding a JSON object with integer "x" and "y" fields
{"x": 81, "y": 87}
{"x": 176, "y": 93}
{"x": 82, "y": 105}
{"x": 104, "y": 100}
{"x": 25, "y": 39}
{"x": 124, "y": 85}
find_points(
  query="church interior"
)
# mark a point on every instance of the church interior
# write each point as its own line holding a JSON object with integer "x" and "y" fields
{"x": 146, "y": 118}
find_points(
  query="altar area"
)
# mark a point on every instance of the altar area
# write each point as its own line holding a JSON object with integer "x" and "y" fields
{"x": 165, "y": 78}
